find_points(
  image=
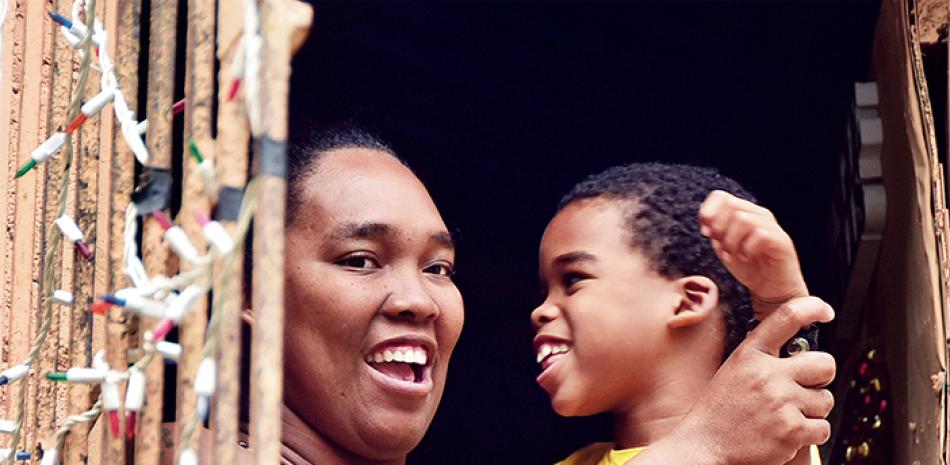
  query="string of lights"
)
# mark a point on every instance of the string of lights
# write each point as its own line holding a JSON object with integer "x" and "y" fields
{"x": 205, "y": 379}
{"x": 167, "y": 298}
{"x": 53, "y": 243}
{"x": 148, "y": 296}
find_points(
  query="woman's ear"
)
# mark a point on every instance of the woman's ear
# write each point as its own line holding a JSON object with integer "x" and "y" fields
{"x": 247, "y": 316}
{"x": 698, "y": 297}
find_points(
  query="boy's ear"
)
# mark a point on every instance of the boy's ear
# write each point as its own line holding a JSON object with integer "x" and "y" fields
{"x": 698, "y": 298}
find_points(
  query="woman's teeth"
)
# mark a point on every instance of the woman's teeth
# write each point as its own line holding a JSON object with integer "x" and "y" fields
{"x": 546, "y": 349}
{"x": 415, "y": 356}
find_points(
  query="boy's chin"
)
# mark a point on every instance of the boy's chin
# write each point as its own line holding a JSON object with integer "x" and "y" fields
{"x": 572, "y": 406}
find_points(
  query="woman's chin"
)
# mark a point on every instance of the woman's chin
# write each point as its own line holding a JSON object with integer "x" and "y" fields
{"x": 394, "y": 438}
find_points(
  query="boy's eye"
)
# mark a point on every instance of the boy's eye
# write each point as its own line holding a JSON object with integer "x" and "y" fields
{"x": 361, "y": 262}
{"x": 571, "y": 278}
{"x": 440, "y": 269}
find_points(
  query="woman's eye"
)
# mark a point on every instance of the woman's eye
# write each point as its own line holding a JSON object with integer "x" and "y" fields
{"x": 359, "y": 262}
{"x": 440, "y": 269}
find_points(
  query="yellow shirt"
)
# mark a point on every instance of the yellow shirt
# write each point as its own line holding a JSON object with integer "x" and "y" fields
{"x": 603, "y": 453}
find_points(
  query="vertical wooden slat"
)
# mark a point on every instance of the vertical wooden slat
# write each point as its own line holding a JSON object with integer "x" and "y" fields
{"x": 84, "y": 196}
{"x": 10, "y": 92}
{"x": 116, "y": 171}
{"x": 161, "y": 78}
{"x": 199, "y": 90}
{"x": 231, "y": 164}
{"x": 56, "y": 356}
{"x": 24, "y": 260}
{"x": 281, "y": 21}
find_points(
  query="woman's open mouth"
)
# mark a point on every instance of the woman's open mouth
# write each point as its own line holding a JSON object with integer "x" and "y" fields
{"x": 402, "y": 367}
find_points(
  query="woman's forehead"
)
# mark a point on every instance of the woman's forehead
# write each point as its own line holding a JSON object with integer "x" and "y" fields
{"x": 353, "y": 188}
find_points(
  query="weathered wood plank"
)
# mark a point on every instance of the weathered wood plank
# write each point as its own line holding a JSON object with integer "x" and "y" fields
{"x": 84, "y": 199}
{"x": 231, "y": 163}
{"x": 281, "y": 22}
{"x": 199, "y": 90}
{"x": 28, "y": 222}
{"x": 122, "y": 20}
{"x": 161, "y": 78}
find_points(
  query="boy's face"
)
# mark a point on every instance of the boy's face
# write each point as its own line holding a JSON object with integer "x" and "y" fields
{"x": 604, "y": 305}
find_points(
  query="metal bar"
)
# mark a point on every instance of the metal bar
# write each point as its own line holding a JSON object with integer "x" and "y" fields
{"x": 161, "y": 79}
{"x": 281, "y": 21}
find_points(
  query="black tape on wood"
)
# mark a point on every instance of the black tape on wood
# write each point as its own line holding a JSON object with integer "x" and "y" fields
{"x": 270, "y": 157}
{"x": 154, "y": 191}
{"x": 229, "y": 204}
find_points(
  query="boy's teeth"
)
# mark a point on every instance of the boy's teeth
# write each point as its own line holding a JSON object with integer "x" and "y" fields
{"x": 551, "y": 349}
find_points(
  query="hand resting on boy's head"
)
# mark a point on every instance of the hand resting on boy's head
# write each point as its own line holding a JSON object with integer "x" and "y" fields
{"x": 755, "y": 394}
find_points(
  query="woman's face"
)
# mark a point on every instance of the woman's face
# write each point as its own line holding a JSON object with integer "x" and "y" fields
{"x": 372, "y": 312}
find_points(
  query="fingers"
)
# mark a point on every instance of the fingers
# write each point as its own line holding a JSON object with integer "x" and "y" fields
{"x": 815, "y": 431}
{"x": 716, "y": 212}
{"x": 800, "y": 430}
{"x": 782, "y": 324}
{"x": 740, "y": 228}
{"x": 812, "y": 369}
{"x": 817, "y": 403}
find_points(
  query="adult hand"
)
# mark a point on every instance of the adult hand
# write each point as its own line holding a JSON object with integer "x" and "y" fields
{"x": 758, "y": 409}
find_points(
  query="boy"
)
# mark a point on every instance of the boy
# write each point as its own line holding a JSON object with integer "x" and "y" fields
{"x": 641, "y": 309}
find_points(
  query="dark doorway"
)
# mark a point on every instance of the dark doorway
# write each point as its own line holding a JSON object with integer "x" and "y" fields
{"x": 501, "y": 107}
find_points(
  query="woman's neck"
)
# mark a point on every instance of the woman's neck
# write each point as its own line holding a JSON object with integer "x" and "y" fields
{"x": 303, "y": 445}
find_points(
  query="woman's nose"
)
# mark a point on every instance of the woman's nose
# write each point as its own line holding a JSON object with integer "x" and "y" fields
{"x": 409, "y": 300}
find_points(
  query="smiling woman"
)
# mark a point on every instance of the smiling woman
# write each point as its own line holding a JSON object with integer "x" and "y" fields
{"x": 373, "y": 314}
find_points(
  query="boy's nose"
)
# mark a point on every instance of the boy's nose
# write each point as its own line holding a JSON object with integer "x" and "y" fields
{"x": 543, "y": 314}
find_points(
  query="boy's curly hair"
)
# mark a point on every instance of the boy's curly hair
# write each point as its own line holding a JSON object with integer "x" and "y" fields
{"x": 663, "y": 201}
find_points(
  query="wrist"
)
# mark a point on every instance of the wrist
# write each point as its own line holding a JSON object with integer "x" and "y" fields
{"x": 764, "y": 306}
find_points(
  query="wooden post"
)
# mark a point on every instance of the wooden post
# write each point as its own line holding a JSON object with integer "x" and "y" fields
{"x": 116, "y": 170}
{"x": 77, "y": 271}
{"x": 231, "y": 164}
{"x": 24, "y": 106}
{"x": 161, "y": 79}
{"x": 281, "y": 22}
{"x": 199, "y": 91}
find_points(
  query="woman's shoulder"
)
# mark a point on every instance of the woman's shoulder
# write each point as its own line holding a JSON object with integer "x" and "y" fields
{"x": 588, "y": 455}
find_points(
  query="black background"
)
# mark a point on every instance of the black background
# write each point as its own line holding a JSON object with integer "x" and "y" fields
{"x": 501, "y": 107}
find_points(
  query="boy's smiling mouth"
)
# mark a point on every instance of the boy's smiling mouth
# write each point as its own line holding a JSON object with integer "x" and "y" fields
{"x": 549, "y": 350}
